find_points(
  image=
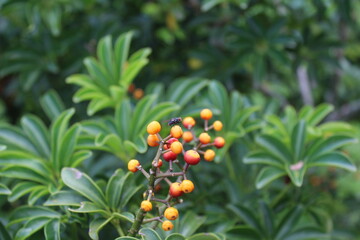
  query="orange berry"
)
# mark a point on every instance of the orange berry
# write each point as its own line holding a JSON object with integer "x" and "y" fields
{"x": 160, "y": 163}
{"x": 219, "y": 142}
{"x": 187, "y": 136}
{"x": 153, "y": 140}
{"x": 206, "y": 114}
{"x": 171, "y": 213}
{"x": 153, "y": 128}
{"x": 187, "y": 186}
{"x": 138, "y": 93}
{"x": 169, "y": 156}
{"x": 204, "y": 138}
{"x": 218, "y": 125}
{"x": 176, "y": 131}
{"x": 169, "y": 142}
{"x": 192, "y": 157}
{"x": 176, "y": 147}
{"x": 175, "y": 190}
{"x": 132, "y": 164}
{"x": 188, "y": 122}
{"x": 209, "y": 155}
{"x": 167, "y": 225}
{"x": 146, "y": 205}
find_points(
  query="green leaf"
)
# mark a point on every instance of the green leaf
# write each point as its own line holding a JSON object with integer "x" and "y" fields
{"x": 275, "y": 147}
{"x": 142, "y": 107}
{"x": 204, "y": 236}
{"x": 333, "y": 159}
{"x": 31, "y": 227}
{"x": 4, "y": 234}
{"x": 190, "y": 223}
{"x": 126, "y": 216}
{"x": 132, "y": 69}
{"x": 121, "y": 49}
{"x": 175, "y": 236}
{"x": 96, "y": 225}
{"x": 114, "y": 188}
{"x": 15, "y": 138}
{"x": 159, "y": 111}
{"x": 67, "y": 145}
{"x": 288, "y": 221}
{"x": 267, "y": 218}
{"x": 4, "y": 190}
{"x": 22, "y": 173}
{"x": 89, "y": 207}
{"x": 36, "y": 131}
{"x": 149, "y": 234}
{"x": 128, "y": 193}
{"x": 98, "y": 73}
{"x": 36, "y": 194}
{"x": 21, "y": 189}
{"x": 336, "y": 128}
{"x": 246, "y": 215}
{"x": 267, "y": 175}
{"x": 58, "y": 131}
{"x": 123, "y": 115}
{"x": 297, "y": 139}
{"x": 307, "y": 233}
{"x": 84, "y": 185}
{"x": 24, "y": 213}
{"x": 52, "y": 104}
{"x": 24, "y": 160}
{"x": 52, "y": 230}
{"x": 320, "y": 113}
{"x": 64, "y": 198}
{"x": 219, "y": 97}
{"x": 105, "y": 55}
{"x": 126, "y": 238}
{"x": 262, "y": 158}
{"x": 78, "y": 157}
{"x": 329, "y": 144}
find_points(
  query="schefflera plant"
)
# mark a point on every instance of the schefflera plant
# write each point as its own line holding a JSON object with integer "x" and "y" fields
{"x": 110, "y": 74}
{"x": 297, "y": 142}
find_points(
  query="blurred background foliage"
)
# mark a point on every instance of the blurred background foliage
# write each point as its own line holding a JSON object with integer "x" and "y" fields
{"x": 289, "y": 50}
{"x": 267, "y": 53}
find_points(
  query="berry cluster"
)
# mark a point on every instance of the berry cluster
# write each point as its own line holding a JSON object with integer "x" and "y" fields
{"x": 173, "y": 149}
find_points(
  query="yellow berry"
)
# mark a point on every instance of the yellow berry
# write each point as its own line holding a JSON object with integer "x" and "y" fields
{"x": 219, "y": 142}
{"x": 175, "y": 190}
{"x": 153, "y": 128}
{"x": 192, "y": 157}
{"x": 187, "y": 186}
{"x": 176, "y": 147}
{"x": 204, "y": 138}
{"x": 187, "y": 136}
{"x": 218, "y": 125}
{"x": 209, "y": 155}
{"x": 176, "y": 131}
{"x": 171, "y": 213}
{"x": 188, "y": 122}
{"x": 146, "y": 205}
{"x": 167, "y": 226}
{"x": 153, "y": 140}
{"x": 206, "y": 114}
{"x": 133, "y": 164}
